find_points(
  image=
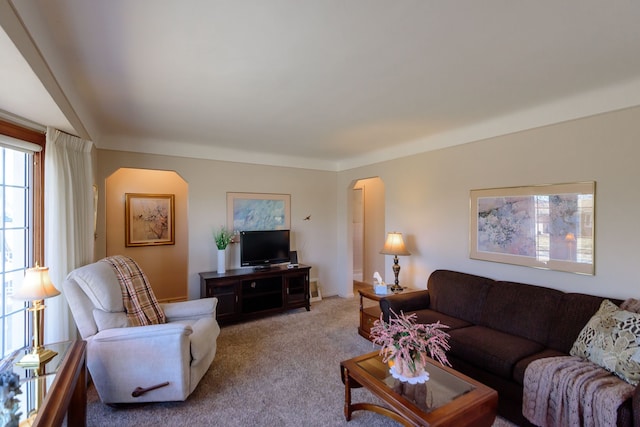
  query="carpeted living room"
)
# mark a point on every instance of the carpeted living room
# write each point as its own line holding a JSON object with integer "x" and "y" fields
{"x": 212, "y": 209}
{"x": 281, "y": 370}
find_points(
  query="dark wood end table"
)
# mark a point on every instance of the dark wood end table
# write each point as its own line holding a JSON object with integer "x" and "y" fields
{"x": 371, "y": 313}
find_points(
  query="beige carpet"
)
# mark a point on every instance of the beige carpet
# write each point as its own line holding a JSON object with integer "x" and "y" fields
{"x": 281, "y": 370}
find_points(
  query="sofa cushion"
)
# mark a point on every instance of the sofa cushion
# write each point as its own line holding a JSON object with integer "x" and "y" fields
{"x": 609, "y": 339}
{"x": 431, "y": 316}
{"x": 458, "y": 294}
{"x": 99, "y": 282}
{"x": 495, "y": 351}
{"x": 574, "y": 311}
{"x": 521, "y": 366}
{"x": 519, "y": 309}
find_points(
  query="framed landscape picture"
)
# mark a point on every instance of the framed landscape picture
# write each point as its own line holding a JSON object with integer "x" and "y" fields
{"x": 544, "y": 226}
{"x": 149, "y": 219}
{"x": 258, "y": 211}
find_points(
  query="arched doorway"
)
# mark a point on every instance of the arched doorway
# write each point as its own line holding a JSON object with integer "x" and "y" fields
{"x": 166, "y": 266}
{"x": 368, "y": 225}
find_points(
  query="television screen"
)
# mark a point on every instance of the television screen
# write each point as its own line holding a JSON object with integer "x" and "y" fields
{"x": 263, "y": 248}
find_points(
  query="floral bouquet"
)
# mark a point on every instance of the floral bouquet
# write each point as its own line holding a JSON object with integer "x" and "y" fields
{"x": 222, "y": 238}
{"x": 406, "y": 344}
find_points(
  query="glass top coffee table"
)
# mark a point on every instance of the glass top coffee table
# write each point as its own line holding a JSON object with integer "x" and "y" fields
{"x": 449, "y": 398}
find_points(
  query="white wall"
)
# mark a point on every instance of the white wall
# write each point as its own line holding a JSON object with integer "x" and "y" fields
{"x": 312, "y": 193}
{"x": 427, "y": 197}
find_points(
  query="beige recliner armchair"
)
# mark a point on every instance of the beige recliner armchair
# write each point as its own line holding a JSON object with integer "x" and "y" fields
{"x": 154, "y": 363}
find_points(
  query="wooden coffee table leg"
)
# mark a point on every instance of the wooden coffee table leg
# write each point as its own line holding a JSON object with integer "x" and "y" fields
{"x": 347, "y": 394}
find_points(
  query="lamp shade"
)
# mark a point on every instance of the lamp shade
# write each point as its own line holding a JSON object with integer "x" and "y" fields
{"x": 394, "y": 245}
{"x": 36, "y": 285}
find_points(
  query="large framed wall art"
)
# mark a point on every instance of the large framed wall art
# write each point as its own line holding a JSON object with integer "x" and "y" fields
{"x": 149, "y": 219}
{"x": 258, "y": 211}
{"x": 542, "y": 226}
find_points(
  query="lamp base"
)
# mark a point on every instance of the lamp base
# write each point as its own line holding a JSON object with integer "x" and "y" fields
{"x": 36, "y": 358}
{"x": 396, "y": 271}
{"x": 396, "y": 288}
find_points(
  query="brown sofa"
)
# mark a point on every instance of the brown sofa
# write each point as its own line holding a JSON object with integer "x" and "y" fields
{"x": 497, "y": 328}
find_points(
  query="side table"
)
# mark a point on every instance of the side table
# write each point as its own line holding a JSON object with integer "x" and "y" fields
{"x": 56, "y": 391}
{"x": 369, "y": 313}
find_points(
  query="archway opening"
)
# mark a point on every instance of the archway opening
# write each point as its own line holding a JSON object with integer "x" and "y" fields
{"x": 165, "y": 265}
{"x": 368, "y": 226}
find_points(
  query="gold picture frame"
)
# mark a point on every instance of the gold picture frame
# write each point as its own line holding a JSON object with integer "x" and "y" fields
{"x": 543, "y": 226}
{"x": 149, "y": 219}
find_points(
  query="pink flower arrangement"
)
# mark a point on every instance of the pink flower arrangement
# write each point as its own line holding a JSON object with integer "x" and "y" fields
{"x": 403, "y": 338}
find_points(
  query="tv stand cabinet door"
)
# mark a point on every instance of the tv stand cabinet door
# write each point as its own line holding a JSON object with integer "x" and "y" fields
{"x": 297, "y": 288}
{"x": 226, "y": 290}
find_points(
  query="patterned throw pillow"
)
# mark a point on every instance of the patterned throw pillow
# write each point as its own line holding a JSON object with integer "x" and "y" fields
{"x": 611, "y": 339}
{"x": 631, "y": 304}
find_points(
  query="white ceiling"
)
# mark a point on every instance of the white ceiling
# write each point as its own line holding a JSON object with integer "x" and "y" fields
{"x": 328, "y": 84}
{"x": 22, "y": 95}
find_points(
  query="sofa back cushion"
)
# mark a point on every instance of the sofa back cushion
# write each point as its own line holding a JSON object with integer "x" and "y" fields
{"x": 519, "y": 309}
{"x": 572, "y": 315}
{"x": 458, "y": 294}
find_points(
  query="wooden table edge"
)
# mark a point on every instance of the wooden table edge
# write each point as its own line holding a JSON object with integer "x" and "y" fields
{"x": 68, "y": 391}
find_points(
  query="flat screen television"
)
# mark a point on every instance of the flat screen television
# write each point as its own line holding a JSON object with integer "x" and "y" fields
{"x": 263, "y": 248}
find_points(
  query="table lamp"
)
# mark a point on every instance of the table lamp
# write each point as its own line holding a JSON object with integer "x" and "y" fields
{"x": 35, "y": 287}
{"x": 394, "y": 245}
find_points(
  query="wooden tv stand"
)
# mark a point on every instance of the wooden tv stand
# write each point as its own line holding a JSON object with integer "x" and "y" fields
{"x": 247, "y": 293}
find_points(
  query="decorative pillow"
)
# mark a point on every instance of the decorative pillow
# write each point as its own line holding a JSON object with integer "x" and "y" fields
{"x": 631, "y": 304}
{"x": 105, "y": 320}
{"x": 611, "y": 339}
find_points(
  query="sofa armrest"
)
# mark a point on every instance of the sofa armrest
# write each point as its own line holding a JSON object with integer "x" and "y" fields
{"x": 122, "y": 359}
{"x": 635, "y": 406}
{"x": 190, "y": 310}
{"x": 408, "y": 302}
{"x": 142, "y": 333}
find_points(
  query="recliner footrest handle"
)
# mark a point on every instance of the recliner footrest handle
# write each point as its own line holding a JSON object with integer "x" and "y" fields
{"x": 139, "y": 391}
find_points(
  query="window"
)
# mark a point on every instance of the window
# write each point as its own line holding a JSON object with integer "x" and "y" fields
{"x": 21, "y": 230}
{"x": 16, "y": 239}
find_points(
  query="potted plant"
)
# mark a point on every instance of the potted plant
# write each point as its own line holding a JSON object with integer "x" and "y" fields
{"x": 407, "y": 344}
{"x": 222, "y": 238}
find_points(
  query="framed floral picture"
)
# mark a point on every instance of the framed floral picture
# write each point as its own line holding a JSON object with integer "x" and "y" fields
{"x": 544, "y": 226}
{"x": 149, "y": 219}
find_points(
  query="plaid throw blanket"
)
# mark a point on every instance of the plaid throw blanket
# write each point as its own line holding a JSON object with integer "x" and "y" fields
{"x": 139, "y": 301}
{"x": 570, "y": 391}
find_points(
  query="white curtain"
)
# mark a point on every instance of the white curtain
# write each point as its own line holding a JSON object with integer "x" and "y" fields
{"x": 69, "y": 222}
